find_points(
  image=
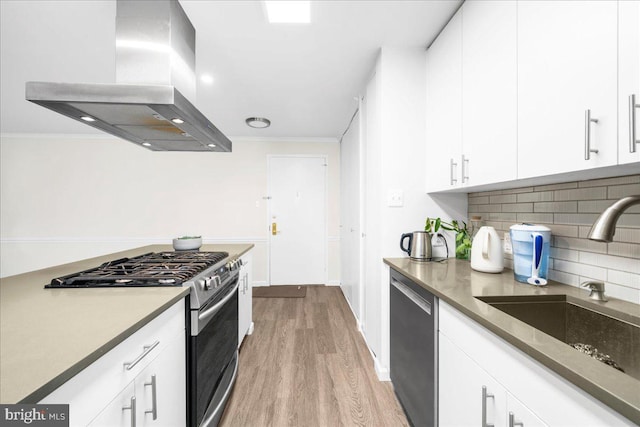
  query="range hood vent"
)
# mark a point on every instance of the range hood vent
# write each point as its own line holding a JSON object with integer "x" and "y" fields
{"x": 155, "y": 54}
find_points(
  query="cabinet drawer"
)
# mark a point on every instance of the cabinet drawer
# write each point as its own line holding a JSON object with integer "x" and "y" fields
{"x": 94, "y": 387}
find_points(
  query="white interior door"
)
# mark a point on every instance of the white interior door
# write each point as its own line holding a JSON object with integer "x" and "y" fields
{"x": 297, "y": 220}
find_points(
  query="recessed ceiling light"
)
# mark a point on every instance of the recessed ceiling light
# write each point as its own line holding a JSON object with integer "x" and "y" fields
{"x": 88, "y": 119}
{"x": 258, "y": 122}
{"x": 206, "y": 79}
{"x": 288, "y": 12}
{"x": 177, "y": 120}
{"x": 211, "y": 145}
{"x": 146, "y": 144}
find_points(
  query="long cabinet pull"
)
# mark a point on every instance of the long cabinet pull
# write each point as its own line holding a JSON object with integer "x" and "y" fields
{"x": 132, "y": 408}
{"x": 452, "y": 175}
{"x": 587, "y": 135}
{"x": 513, "y": 422}
{"x": 146, "y": 350}
{"x": 485, "y": 395}
{"x": 154, "y": 398}
{"x": 422, "y": 303}
{"x": 465, "y": 170}
{"x": 632, "y": 123}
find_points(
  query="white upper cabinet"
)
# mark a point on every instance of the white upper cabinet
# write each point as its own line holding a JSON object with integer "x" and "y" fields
{"x": 567, "y": 66}
{"x": 629, "y": 81}
{"x": 444, "y": 108}
{"x": 489, "y": 92}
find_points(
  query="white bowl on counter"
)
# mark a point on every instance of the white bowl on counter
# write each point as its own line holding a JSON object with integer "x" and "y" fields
{"x": 187, "y": 244}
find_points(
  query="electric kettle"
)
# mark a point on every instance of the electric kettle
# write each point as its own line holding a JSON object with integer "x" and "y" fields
{"x": 486, "y": 251}
{"x": 419, "y": 247}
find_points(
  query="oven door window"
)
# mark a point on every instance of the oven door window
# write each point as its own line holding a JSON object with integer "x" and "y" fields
{"x": 212, "y": 350}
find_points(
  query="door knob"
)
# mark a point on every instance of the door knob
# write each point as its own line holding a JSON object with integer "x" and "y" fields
{"x": 274, "y": 228}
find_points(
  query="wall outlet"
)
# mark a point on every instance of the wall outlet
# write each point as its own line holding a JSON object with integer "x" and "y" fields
{"x": 437, "y": 241}
{"x": 507, "y": 244}
{"x": 395, "y": 198}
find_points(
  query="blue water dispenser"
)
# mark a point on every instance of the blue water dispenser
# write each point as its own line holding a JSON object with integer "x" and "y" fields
{"x": 531, "y": 244}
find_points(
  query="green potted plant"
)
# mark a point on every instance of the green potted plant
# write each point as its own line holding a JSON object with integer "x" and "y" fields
{"x": 463, "y": 238}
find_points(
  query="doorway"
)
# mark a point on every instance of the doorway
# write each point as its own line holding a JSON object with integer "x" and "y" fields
{"x": 297, "y": 188}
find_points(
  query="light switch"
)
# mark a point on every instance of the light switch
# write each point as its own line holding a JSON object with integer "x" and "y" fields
{"x": 395, "y": 198}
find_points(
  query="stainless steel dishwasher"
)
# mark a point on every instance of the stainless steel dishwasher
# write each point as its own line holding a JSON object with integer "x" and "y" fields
{"x": 414, "y": 349}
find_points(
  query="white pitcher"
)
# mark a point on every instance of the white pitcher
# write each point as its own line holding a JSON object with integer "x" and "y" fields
{"x": 486, "y": 251}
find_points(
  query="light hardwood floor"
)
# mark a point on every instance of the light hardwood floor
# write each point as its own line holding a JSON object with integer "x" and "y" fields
{"x": 306, "y": 364}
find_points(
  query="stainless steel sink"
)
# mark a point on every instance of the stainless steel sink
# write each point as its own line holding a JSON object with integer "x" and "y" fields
{"x": 572, "y": 321}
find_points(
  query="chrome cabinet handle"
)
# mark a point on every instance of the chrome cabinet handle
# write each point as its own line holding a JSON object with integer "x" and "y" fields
{"x": 453, "y": 178}
{"x": 485, "y": 396}
{"x": 422, "y": 303}
{"x": 154, "y": 398}
{"x": 465, "y": 171}
{"x": 587, "y": 135}
{"x": 632, "y": 123}
{"x": 132, "y": 408}
{"x": 146, "y": 350}
{"x": 513, "y": 422}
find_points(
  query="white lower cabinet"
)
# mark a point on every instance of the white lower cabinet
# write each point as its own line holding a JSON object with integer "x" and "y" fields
{"x": 471, "y": 357}
{"x": 468, "y": 395}
{"x": 156, "y": 397}
{"x": 102, "y": 394}
{"x": 245, "y": 318}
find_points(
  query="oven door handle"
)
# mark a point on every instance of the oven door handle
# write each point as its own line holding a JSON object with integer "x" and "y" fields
{"x": 205, "y": 316}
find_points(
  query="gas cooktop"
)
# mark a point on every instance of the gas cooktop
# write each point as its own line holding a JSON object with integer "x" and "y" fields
{"x": 150, "y": 269}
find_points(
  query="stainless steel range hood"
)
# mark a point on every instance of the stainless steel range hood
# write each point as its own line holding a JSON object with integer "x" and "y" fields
{"x": 155, "y": 54}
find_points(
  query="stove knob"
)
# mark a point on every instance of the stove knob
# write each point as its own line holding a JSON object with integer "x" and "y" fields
{"x": 200, "y": 283}
{"x": 207, "y": 283}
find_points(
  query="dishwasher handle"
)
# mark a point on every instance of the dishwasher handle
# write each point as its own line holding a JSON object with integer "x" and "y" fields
{"x": 412, "y": 295}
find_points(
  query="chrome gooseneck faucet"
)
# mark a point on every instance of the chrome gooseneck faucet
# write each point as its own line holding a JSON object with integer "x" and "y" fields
{"x": 602, "y": 231}
{"x": 605, "y": 226}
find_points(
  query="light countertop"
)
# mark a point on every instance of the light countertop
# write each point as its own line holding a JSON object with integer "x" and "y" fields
{"x": 456, "y": 283}
{"x": 49, "y": 335}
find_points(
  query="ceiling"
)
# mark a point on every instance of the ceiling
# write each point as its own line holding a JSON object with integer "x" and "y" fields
{"x": 303, "y": 77}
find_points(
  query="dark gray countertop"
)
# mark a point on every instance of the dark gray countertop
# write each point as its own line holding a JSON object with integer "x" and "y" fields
{"x": 49, "y": 335}
{"x": 456, "y": 283}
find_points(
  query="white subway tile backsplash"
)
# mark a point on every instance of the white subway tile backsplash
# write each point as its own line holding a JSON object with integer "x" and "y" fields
{"x": 544, "y": 196}
{"x": 535, "y": 218}
{"x": 517, "y": 207}
{"x": 570, "y": 209}
{"x": 633, "y": 179}
{"x": 556, "y": 186}
{"x": 597, "y": 273}
{"x": 518, "y": 190}
{"x": 564, "y": 254}
{"x": 503, "y": 198}
{"x": 623, "y": 278}
{"x": 612, "y": 262}
{"x": 594, "y": 193}
{"x": 630, "y": 250}
{"x": 579, "y": 244}
{"x": 566, "y": 278}
{"x": 619, "y": 191}
{"x": 622, "y": 292}
{"x": 630, "y": 235}
{"x": 577, "y": 218}
{"x": 563, "y": 230}
{"x": 555, "y": 207}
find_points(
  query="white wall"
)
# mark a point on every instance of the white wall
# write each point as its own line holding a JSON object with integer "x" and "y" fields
{"x": 395, "y": 160}
{"x": 64, "y": 198}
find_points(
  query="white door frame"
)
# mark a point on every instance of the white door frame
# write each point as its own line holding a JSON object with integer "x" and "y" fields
{"x": 325, "y": 227}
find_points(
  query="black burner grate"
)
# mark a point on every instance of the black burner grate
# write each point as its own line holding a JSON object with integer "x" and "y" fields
{"x": 151, "y": 269}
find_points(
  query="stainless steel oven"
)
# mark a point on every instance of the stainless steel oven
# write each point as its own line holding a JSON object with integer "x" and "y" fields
{"x": 213, "y": 350}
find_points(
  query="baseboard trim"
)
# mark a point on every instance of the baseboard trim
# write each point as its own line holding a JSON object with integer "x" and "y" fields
{"x": 382, "y": 372}
{"x": 333, "y": 283}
